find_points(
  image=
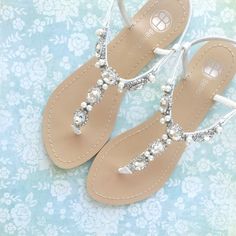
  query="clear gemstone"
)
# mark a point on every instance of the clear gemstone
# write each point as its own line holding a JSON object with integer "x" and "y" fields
{"x": 76, "y": 130}
{"x": 140, "y": 164}
{"x": 151, "y": 158}
{"x": 109, "y": 76}
{"x": 79, "y": 118}
{"x": 94, "y": 95}
{"x": 157, "y": 147}
{"x": 175, "y": 132}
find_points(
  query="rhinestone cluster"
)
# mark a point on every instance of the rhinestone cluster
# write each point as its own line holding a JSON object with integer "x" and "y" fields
{"x": 108, "y": 78}
{"x": 141, "y": 162}
{"x": 174, "y": 132}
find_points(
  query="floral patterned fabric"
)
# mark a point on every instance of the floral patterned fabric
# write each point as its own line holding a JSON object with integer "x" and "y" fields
{"x": 41, "y": 43}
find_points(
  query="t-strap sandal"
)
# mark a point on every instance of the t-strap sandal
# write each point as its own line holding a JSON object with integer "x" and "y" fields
{"x": 138, "y": 163}
{"x": 157, "y": 24}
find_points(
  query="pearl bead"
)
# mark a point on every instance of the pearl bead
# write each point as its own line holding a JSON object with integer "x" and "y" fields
{"x": 189, "y": 139}
{"x": 89, "y": 108}
{"x": 167, "y": 89}
{"x": 151, "y": 158}
{"x": 102, "y": 62}
{"x": 147, "y": 153}
{"x": 219, "y": 129}
{"x": 151, "y": 78}
{"x": 164, "y": 136}
{"x": 97, "y": 65}
{"x": 98, "y": 47}
{"x": 167, "y": 118}
{"x": 106, "y": 80}
{"x": 83, "y": 104}
{"x": 163, "y": 102}
{"x": 162, "y": 121}
{"x": 168, "y": 141}
{"x": 100, "y": 82}
{"x": 99, "y": 32}
{"x": 163, "y": 88}
{"x": 105, "y": 86}
{"x": 121, "y": 87}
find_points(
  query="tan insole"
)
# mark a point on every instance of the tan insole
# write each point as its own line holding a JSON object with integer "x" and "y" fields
{"x": 128, "y": 53}
{"x": 192, "y": 100}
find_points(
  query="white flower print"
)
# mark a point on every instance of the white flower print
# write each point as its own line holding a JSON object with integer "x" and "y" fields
{"x": 96, "y": 219}
{"x": 38, "y": 25}
{"x": 203, "y": 8}
{"x": 49, "y": 208}
{"x": 4, "y": 215}
{"x": 6, "y": 12}
{"x": 78, "y": 43}
{"x": 62, "y": 10}
{"x": 90, "y": 20}
{"x": 30, "y": 155}
{"x": 22, "y": 173}
{"x": 219, "y": 220}
{"x": 152, "y": 210}
{"x": 6, "y": 199}
{"x": 181, "y": 226}
{"x": 148, "y": 94}
{"x": 4, "y": 173}
{"x": 191, "y": 185}
{"x": 37, "y": 69}
{"x": 60, "y": 189}
{"x": 215, "y": 31}
{"x": 21, "y": 215}
{"x": 5, "y": 120}
{"x": 51, "y": 230}
{"x": 18, "y": 68}
{"x": 10, "y": 228}
{"x": 136, "y": 114}
{"x": 219, "y": 193}
{"x": 218, "y": 150}
{"x": 65, "y": 63}
{"x": 203, "y": 165}
{"x": 18, "y": 24}
{"x": 228, "y": 15}
{"x": 4, "y": 71}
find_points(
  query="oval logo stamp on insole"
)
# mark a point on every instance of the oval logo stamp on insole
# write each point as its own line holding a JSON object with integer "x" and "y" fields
{"x": 212, "y": 69}
{"x": 161, "y": 21}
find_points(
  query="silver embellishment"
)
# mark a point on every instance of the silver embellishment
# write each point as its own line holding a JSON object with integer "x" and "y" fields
{"x": 174, "y": 132}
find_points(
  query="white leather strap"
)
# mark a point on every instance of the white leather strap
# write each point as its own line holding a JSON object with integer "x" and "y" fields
{"x": 126, "y": 18}
{"x": 225, "y": 101}
{"x": 186, "y": 47}
{"x": 159, "y": 51}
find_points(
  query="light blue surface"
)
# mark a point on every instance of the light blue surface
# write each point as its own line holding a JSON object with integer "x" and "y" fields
{"x": 41, "y": 43}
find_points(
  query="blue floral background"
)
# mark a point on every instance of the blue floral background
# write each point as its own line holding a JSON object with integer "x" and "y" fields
{"x": 41, "y": 43}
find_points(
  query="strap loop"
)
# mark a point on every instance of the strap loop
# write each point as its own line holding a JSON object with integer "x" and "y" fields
{"x": 225, "y": 101}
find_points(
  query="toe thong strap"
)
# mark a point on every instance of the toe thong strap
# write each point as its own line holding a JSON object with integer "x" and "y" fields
{"x": 174, "y": 132}
{"x": 109, "y": 76}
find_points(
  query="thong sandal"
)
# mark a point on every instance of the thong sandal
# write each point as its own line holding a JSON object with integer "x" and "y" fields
{"x": 124, "y": 172}
{"x": 157, "y": 24}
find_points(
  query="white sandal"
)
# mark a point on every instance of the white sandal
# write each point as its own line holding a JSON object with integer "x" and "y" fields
{"x": 157, "y": 24}
{"x": 137, "y": 163}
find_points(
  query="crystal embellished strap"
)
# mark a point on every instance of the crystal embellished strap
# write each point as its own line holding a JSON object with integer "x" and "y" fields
{"x": 174, "y": 132}
{"x": 109, "y": 77}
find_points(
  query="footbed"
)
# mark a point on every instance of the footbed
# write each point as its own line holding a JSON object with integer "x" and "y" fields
{"x": 192, "y": 101}
{"x": 128, "y": 53}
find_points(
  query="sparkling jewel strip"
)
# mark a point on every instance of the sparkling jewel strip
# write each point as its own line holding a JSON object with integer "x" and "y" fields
{"x": 108, "y": 78}
{"x": 174, "y": 132}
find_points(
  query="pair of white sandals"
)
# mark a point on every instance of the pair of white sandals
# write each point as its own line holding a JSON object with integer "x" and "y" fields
{"x": 137, "y": 163}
